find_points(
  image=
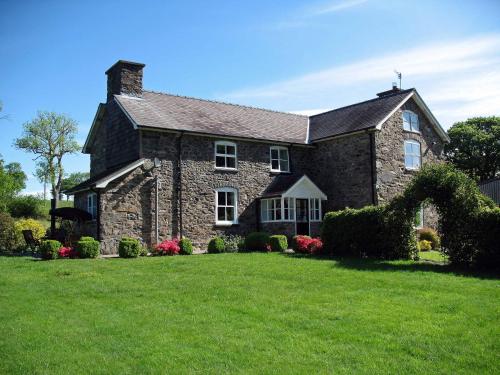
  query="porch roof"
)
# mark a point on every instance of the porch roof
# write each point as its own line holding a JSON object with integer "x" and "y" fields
{"x": 294, "y": 186}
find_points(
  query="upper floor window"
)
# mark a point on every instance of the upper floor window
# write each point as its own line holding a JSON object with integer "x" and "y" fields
{"x": 412, "y": 154}
{"x": 226, "y": 206}
{"x": 225, "y": 155}
{"x": 279, "y": 159}
{"x": 410, "y": 121}
{"x": 92, "y": 204}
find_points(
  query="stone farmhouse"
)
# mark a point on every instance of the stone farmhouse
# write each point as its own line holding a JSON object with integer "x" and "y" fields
{"x": 164, "y": 165}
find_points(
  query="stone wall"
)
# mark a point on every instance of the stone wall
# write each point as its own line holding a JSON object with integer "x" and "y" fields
{"x": 392, "y": 176}
{"x": 341, "y": 168}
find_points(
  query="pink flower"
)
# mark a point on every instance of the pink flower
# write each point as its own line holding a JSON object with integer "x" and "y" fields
{"x": 168, "y": 247}
{"x": 308, "y": 245}
{"x": 64, "y": 252}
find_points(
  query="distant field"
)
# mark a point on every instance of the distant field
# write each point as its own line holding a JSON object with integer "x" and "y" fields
{"x": 245, "y": 313}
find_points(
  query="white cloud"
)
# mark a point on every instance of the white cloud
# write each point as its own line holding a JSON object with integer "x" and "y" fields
{"x": 336, "y": 6}
{"x": 457, "y": 79}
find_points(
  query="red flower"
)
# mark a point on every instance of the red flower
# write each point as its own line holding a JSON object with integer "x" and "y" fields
{"x": 168, "y": 247}
{"x": 308, "y": 245}
{"x": 64, "y": 252}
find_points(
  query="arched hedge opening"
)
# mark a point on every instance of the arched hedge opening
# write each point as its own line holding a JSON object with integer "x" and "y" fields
{"x": 469, "y": 222}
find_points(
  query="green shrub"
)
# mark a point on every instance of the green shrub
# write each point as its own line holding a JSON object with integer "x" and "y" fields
{"x": 257, "y": 241}
{"x": 278, "y": 242}
{"x": 26, "y": 206}
{"x": 424, "y": 245}
{"x": 35, "y": 226}
{"x": 87, "y": 238}
{"x": 216, "y": 245}
{"x": 233, "y": 243}
{"x": 487, "y": 238}
{"x": 129, "y": 248}
{"x": 9, "y": 241}
{"x": 380, "y": 232}
{"x": 430, "y": 235}
{"x": 87, "y": 247}
{"x": 49, "y": 249}
{"x": 186, "y": 247}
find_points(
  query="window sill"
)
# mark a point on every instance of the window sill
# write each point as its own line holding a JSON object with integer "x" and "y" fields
{"x": 220, "y": 169}
{"x": 226, "y": 225}
{"x": 411, "y": 170}
{"x": 412, "y": 132}
{"x": 279, "y": 172}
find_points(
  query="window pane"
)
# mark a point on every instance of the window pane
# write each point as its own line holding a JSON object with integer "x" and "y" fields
{"x": 230, "y": 213}
{"x": 221, "y": 198}
{"x": 284, "y": 154}
{"x": 406, "y": 121}
{"x": 284, "y": 166}
{"x": 221, "y": 149}
{"x": 229, "y": 199}
{"x": 416, "y": 162}
{"x": 275, "y": 165}
{"x": 274, "y": 154}
{"x": 278, "y": 214}
{"x": 416, "y": 149}
{"x": 408, "y": 162}
{"x": 230, "y": 162}
{"x": 231, "y": 150}
{"x": 407, "y": 148}
{"x": 220, "y": 214}
{"x": 220, "y": 161}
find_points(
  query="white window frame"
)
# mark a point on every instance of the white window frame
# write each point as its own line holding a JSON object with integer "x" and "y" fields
{"x": 235, "y": 206}
{"x": 279, "y": 149}
{"x": 269, "y": 206}
{"x": 414, "y": 122}
{"x": 226, "y": 155}
{"x": 419, "y": 155}
{"x": 92, "y": 205}
{"x": 288, "y": 212}
{"x": 314, "y": 209}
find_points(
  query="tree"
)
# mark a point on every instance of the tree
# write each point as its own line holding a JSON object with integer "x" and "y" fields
{"x": 74, "y": 179}
{"x": 50, "y": 136}
{"x": 42, "y": 174}
{"x": 475, "y": 147}
{"x": 12, "y": 181}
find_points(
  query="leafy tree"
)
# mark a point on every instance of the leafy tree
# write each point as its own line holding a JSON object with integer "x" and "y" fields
{"x": 42, "y": 174}
{"x": 50, "y": 136}
{"x": 12, "y": 181}
{"x": 74, "y": 179}
{"x": 475, "y": 147}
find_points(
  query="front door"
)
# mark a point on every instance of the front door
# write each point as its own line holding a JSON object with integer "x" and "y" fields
{"x": 302, "y": 216}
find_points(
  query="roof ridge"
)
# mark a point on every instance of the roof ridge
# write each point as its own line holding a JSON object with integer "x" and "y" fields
{"x": 226, "y": 103}
{"x": 365, "y": 101}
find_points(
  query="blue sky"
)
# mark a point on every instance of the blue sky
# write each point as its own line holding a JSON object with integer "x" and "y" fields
{"x": 300, "y": 56}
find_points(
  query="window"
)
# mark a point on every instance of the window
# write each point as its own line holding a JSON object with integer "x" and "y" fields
{"x": 92, "y": 204}
{"x": 412, "y": 155}
{"x": 314, "y": 209}
{"x": 225, "y": 155}
{"x": 226, "y": 206}
{"x": 410, "y": 121}
{"x": 270, "y": 209}
{"x": 279, "y": 159}
{"x": 289, "y": 209}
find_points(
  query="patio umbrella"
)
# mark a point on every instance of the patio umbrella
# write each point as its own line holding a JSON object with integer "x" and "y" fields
{"x": 71, "y": 213}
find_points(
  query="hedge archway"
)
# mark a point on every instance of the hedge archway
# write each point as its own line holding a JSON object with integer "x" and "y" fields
{"x": 460, "y": 206}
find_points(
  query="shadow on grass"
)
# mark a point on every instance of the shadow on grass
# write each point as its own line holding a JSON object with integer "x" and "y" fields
{"x": 400, "y": 266}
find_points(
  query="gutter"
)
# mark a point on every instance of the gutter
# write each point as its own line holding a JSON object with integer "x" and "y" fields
{"x": 373, "y": 168}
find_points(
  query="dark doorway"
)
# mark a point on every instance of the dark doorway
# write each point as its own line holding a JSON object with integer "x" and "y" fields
{"x": 302, "y": 216}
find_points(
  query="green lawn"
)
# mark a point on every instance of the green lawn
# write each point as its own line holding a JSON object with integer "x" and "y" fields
{"x": 245, "y": 313}
{"x": 433, "y": 256}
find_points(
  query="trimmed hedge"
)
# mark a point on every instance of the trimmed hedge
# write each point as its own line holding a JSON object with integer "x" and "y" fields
{"x": 278, "y": 242}
{"x": 424, "y": 245}
{"x": 129, "y": 248}
{"x": 87, "y": 247}
{"x": 372, "y": 231}
{"x": 9, "y": 241}
{"x": 49, "y": 249}
{"x": 487, "y": 237}
{"x": 216, "y": 245}
{"x": 186, "y": 246}
{"x": 257, "y": 241}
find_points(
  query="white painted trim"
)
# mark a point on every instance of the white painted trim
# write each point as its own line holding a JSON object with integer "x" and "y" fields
{"x": 100, "y": 108}
{"x": 102, "y": 183}
{"x": 415, "y": 142}
{"x": 279, "y": 148}
{"x": 226, "y": 143}
{"x": 307, "y": 133}
{"x": 437, "y": 126}
{"x": 379, "y": 125}
{"x": 306, "y": 178}
{"x": 227, "y": 190}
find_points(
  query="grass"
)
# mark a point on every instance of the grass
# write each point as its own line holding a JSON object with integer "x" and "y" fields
{"x": 433, "y": 256}
{"x": 245, "y": 313}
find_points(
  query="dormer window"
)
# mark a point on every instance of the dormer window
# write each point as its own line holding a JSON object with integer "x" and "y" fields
{"x": 225, "y": 155}
{"x": 279, "y": 159}
{"x": 410, "y": 122}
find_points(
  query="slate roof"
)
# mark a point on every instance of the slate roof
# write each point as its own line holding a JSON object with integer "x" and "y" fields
{"x": 165, "y": 111}
{"x": 281, "y": 184}
{"x": 355, "y": 117}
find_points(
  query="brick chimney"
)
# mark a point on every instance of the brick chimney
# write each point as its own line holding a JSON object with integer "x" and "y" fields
{"x": 125, "y": 77}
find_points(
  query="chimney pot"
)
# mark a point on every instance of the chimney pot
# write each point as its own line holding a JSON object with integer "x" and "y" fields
{"x": 125, "y": 77}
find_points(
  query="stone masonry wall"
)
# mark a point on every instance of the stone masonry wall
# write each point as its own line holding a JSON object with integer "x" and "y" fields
{"x": 341, "y": 169}
{"x": 392, "y": 177}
